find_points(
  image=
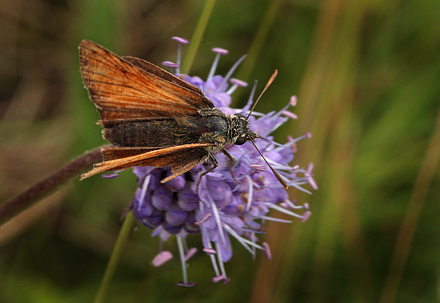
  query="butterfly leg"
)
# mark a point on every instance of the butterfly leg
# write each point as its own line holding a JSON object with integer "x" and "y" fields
{"x": 214, "y": 166}
{"x": 227, "y": 154}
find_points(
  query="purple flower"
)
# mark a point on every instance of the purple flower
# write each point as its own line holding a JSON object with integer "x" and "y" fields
{"x": 230, "y": 202}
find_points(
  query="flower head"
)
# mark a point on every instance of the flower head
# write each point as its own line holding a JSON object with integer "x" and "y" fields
{"x": 234, "y": 199}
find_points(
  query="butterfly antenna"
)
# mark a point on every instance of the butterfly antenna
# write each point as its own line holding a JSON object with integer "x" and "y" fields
{"x": 277, "y": 175}
{"x": 259, "y": 97}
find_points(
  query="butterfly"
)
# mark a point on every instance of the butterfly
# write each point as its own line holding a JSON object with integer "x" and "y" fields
{"x": 154, "y": 118}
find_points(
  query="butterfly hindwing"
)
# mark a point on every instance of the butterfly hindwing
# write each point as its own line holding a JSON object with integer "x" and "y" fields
{"x": 180, "y": 158}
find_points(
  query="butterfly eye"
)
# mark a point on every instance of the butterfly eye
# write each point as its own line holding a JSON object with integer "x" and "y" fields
{"x": 240, "y": 140}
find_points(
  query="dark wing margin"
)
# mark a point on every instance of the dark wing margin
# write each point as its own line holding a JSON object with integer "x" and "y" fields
{"x": 133, "y": 88}
{"x": 180, "y": 158}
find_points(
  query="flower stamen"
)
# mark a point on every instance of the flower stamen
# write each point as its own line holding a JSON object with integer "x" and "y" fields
{"x": 185, "y": 282}
{"x": 180, "y": 41}
{"x": 220, "y": 52}
{"x": 143, "y": 191}
{"x": 229, "y": 74}
{"x": 235, "y": 83}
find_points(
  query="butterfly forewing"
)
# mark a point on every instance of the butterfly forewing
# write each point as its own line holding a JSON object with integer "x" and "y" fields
{"x": 123, "y": 89}
{"x": 166, "y": 76}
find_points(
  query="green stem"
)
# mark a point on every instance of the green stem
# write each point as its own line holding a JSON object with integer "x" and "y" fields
{"x": 115, "y": 257}
{"x": 197, "y": 36}
{"x": 260, "y": 38}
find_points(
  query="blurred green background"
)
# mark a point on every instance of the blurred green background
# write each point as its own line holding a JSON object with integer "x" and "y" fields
{"x": 366, "y": 74}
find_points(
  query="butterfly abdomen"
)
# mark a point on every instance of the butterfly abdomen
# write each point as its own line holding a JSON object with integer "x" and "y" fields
{"x": 168, "y": 132}
{"x": 153, "y": 133}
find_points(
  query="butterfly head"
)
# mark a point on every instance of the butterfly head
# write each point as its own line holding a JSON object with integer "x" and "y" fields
{"x": 240, "y": 130}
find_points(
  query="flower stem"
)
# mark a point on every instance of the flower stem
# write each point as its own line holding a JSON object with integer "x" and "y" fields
{"x": 197, "y": 36}
{"x": 48, "y": 185}
{"x": 258, "y": 42}
{"x": 115, "y": 257}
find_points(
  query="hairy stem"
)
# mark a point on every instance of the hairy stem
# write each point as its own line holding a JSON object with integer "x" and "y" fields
{"x": 48, "y": 185}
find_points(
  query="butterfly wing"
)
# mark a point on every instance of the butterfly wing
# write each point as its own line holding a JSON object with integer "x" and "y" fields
{"x": 154, "y": 69}
{"x": 132, "y": 88}
{"x": 180, "y": 158}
